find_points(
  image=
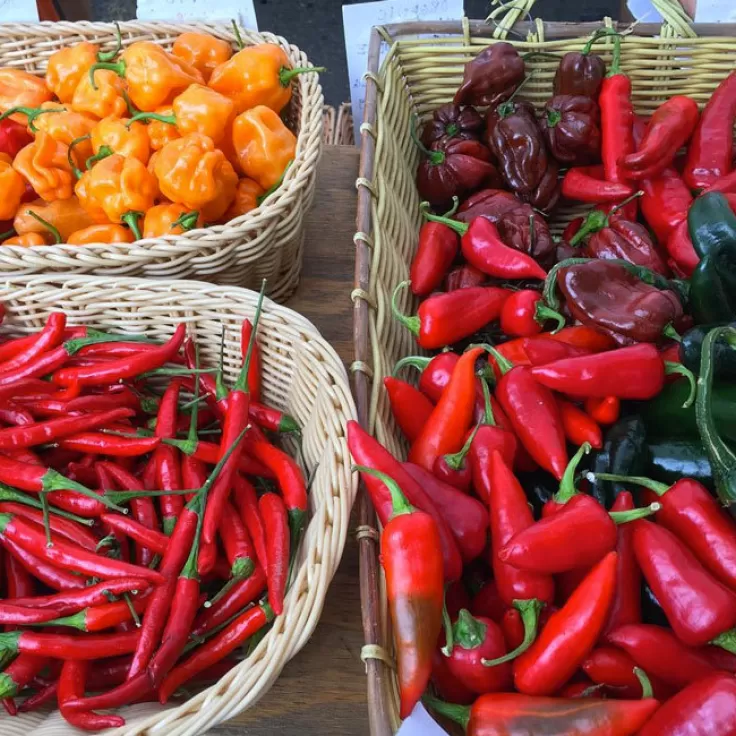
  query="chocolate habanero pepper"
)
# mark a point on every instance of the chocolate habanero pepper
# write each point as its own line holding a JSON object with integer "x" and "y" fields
{"x": 202, "y": 51}
{"x": 411, "y": 558}
{"x": 571, "y": 127}
{"x": 581, "y": 72}
{"x": 491, "y": 76}
{"x": 494, "y": 714}
{"x": 437, "y": 249}
{"x": 436, "y": 324}
{"x": 452, "y": 121}
{"x": 710, "y": 152}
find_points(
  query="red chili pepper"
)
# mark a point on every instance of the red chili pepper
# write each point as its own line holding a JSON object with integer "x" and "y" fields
{"x": 13, "y": 137}
{"x": 20, "y": 673}
{"x": 410, "y": 407}
{"x": 16, "y": 416}
{"x": 589, "y": 184}
{"x": 67, "y": 528}
{"x": 669, "y": 128}
{"x": 464, "y": 277}
{"x": 707, "y": 706}
{"x": 578, "y": 426}
{"x": 437, "y": 249}
{"x": 275, "y": 520}
{"x": 487, "y": 602}
{"x": 584, "y": 337}
{"x": 71, "y": 686}
{"x": 710, "y": 153}
{"x": 454, "y": 468}
{"x": 104, "y": 616}
{"x": 524, "y": 314}
{"x": 473, "y": 641}
{"x": 681, "y": 251}
{"x": 466, "y": 516}
{"x": 435, "y": 373}
{"x": 451, "y": 418}
{"x": 616, "y": 669}
{"x": 49, "y": 337}
{"x": 368, "y": 451}
{"x": 534, "y": 415}
{"x": 99, "y": 443}
{"x": 274, "y": 420}
{"x": 20, "y": 616}
{"x": 48, "y": 574}
{"x": 61, "y": 646}
{"x": 246, "y": 502}
{"x": 570, "y": 634}
{"x": 412, "y": 562}
{"x": 514, "y": 713}
{"x": 18, "y": 581}
{"x": 208, "y": 452}
{"x": 604, "y": 410}
{"x": 446, "y": 684}
{"x": 542, "y": 349}
{"x": 149, "y": 538}
{"x": 40, "y": 698}
{"x": 436, "y": 324}
{"x": 239, "y": 549}
{"x": 664, "y": 205}
{"x": 254, "y": 369}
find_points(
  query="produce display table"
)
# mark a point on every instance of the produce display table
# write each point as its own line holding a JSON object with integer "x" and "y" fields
{"x": 323, "y": 689}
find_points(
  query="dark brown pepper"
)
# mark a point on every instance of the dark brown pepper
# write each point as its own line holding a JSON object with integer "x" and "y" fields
{"x": 571, "y": 127}
{"x": 526, "y": 230}
{"x": 452, "y": 121}
{"x": 491, "y": 77}
{"x": 490, "y": 203}
{"x": 579, "y": 73}
{"x": 547, "y": 192}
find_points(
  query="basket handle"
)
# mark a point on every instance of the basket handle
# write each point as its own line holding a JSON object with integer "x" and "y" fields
{"x": 676, "y": 21}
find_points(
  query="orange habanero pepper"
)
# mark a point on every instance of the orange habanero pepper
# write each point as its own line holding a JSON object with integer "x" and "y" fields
{"x": 101, "y": 234}
{"x": 246, "y": 199}
{"x": 119, "y": 135}
{"x": 12, "y": 187}
{"x": 198, "y": 109}
{"x": 202, "y": 51}
{"x": 264, "y": 145}
{"x": 45, "y": 166}
{"x": 257, "y": 75}
{"x": 153, "y": 75}
{"x": 66, "y": 215}
{"x": 106, "y": 98}
{"x": 169, "y": 219}
{"x": 27, "y": 240}
{"x": 21, "y": 89}
{"x": 192, "y": 172}
{"x": 118, "y": 190}
{"x": 67, "y": 67}
{"x": 159, "y": 134}
{"x": 66, "y": 126}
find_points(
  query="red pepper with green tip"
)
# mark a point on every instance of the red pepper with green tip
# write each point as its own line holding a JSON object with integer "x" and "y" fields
{"x": 410, "y": 407}
{"x": 104, "y": 616}
{"x": 61, "y": 646}
{"x": 524, "y": 314}
{"x": 436, "y": 323}
{"x": 246, "y": 502}
{"x": 20, "y": 673}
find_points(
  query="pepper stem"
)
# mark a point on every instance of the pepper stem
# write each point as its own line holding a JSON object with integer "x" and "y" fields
{"x": 220, "y": 388}
{"x": 131, "y": 220}
{"x": 31, "y": 114}
{"x": 503, "y": 363}
{"x": 672, "y": 368}
{"x": 170, "y": 119}
{"x": 488, "y": 418}
{"x": 54, "y": 231}
{"x": 529, "y": 611}
{"x": 507, "y": 107}
{"x": 594, "y": 222}
{"x": 415, "y": 361}
{"x": 553, "y": 118}
{"x": 105, "y": 56}
{"x": 236, "y": 32}
{"x": 458, "y": 713}
{"x": 567, "y": 484}
{"x": 104, "y": 152}
{"x": 459, "y": 227}
{"x": 117, "y": 66}
{"x": 399, "y": 501}
{"x": 543, "y": 313}
{"x": 10, "y": 494}
{"x": 242, "y": 383}
{"x": 286, "y": 74}
{"x": 726, "y": 640}
{"x": 75, "y": 170}
{"x": 623, "y": 204}
{"x": 242, "y": 569}
{"x": 52, "y": 480}
{"x": 447, "y": 627}
{"x": 670, "y": 332}
{"x": 659, "y": 488}
{"x": 186, "y": 220}
{"x": 413, "y": 323}
{"x": 616, "y": 63}
{"x": 600, "y": 33}
{"x": 550, "y": 283}
{"x": 468, "y": 632}
{"x": 7, "y": 234}
{"x": 435, "y": 157}
{"x": 623, "y": 517}
{"x": 455, "y": 460}
{"x": 261, "y": 198}
{"x": 46, "y": 519}
{"x": 646, "y": 683}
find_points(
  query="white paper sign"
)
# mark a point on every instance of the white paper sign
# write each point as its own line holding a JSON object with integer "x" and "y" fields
{"x": 18, "y": 11}
{"x": 357, "y": 23}
{"x": 704, "y": 11}
{"x": 420, "y": 723}
{"x": 188, "y": 10}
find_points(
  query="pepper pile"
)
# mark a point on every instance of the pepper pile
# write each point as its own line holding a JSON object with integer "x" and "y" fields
{"x": 111, "y": 147}
{"x": 557, "y": 554}
{"x": 146, "y": 528}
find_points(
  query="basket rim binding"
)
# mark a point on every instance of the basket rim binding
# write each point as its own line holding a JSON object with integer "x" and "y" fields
{"x": 275, "y": 205}
{"x": 378, "y": 662}
{"x": 187, "y": 300}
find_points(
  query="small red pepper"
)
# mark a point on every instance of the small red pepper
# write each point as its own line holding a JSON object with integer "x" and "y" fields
{"x": 149, "y": 538}
{"x": 446, "y": 684}
{"x": 13, "y": 137}
{"x": 616, "y": 669}
{"x": 454, "y": 468}
{"x": 588, "y": 184}
{"x": 20, "y": 673}
{"x": 67, "y": 528}
{"x": 464, "y": 277}
{"x": 543, "y": 349}
{"x": 524, "y": 314}
{"x": 246, "y": 501}
{"x": 487, "y": 602}
{"x": 604, "y": 410}
{"x": 410, "y": 407}
{"x": 434, "y": 373}
{"x": 437, "y": 249}
{"x": 410, "y": 554}
{"x": 48, "y": 574}
{"x": 665, "y": 203}
{"x": 275, "y": 520}
{"x": 61, "y": 646}
{"x": 578, "y": 426}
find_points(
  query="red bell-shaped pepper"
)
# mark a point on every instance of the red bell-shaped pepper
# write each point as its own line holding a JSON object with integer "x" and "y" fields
{"x": 454, "y": 468}
{"x": 524, "y": 314}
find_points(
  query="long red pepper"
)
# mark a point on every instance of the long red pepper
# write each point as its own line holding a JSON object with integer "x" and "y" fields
{"x": 66, "y": 528}
{"x": 20, "y": 673}
{"x": 71, "y": 686}
{"x": 588, "y": 184}
{"x": 149, "y": 538}
{"x": 99, "y": 443}
{"x": 410, "y": 554}
{"x": 436, "y": 324}
{"x": 578, "y": 426}
{"x": 534, "y": 415}
{"x": 246, "y": 502}
{"x": 410, "y": 407}
{"x": 19, "y": 616}
{"x": 445, "y": 429}
{"x": 614, "y": 668}
{"x": 104, "y": 616}
{"x": 50, "y": 575}
{"x": 437, "y": 248}
{"x": 570, "y": 634}
{"x": 61, "y": 646}
{"x": 275, "y": 521}
{"x": 274, "y": 420}
{"x": 18, "y": 581}
{"x": 49, "y": 337}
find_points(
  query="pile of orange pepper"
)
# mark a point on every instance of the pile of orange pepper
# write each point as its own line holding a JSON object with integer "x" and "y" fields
{"x": 142, "y": 143}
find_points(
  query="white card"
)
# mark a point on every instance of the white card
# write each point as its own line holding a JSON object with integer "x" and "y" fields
{"x": 188, "y": 10}
{"x": 18, "y": 11}
{"x": 420, "y": 723}
{"x": 704, "y": 11}
{"x": 357, "y": 23}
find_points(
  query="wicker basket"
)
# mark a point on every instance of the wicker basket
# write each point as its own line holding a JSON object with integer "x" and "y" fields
{"x": 419, "y": 72}
{"x": 303, "y": 375}
{"x": 264, "y": 243}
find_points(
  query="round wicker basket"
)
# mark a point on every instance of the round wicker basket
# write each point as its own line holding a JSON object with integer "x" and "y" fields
{"x": 264, "y": 243}
{"x": 303, "y": 375}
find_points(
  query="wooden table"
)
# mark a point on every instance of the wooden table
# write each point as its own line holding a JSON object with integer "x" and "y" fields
{"x": 322, "y": 691}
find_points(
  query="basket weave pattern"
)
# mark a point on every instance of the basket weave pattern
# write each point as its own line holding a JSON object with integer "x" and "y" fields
{"x": 418, "y": 73}
{"x": 264, "y": 243}
{"x": 302, "y": 375}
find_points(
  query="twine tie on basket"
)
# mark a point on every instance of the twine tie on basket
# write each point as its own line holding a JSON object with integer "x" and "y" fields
{"x": 367, "y": 532}
{"x": 373, "y": 651}
{"x": 360, "y": 366}
{"x": 356, "y": 294}
{"x": 363, "y": 237}
{"x": 373, "y": 78}
{"x": 361, "y": 181}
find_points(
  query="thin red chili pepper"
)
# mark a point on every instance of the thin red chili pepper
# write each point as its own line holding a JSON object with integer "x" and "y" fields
{"x": 246, "y": 502}
{"x": 48, "y": 574}
{"x": 275, "y": 521}
{"x": 616, "y": 669}
{"x": 578, "y": 426}
{"x": 47, "y": 339}
{"x": 67, "y": 528}
{"x": 104, "y": 616}
{"x": 410, "y": 407}
{"x": 168, "y": 478}
{"x": 534, "y": 415}
{"x": 149, "y": 538}
{"x": 40, "y": 698}
{"x": 61, "y": 646}
{"x": 709, "y": 155}
{"x": 99, "y": 443}
{"x": 18, "y": 581}
{"x": 570, "y": 634}
{"x": 271, "y": 419}
{"x": 16, "y": 416}
{"x": 588, "y": 184}
{"x": 436, "y": 324}
{"x": 19, "y": 616}
{"x": 208, "y": 452}
{"x": 584, "y": 337}
{"x": 255, "y": 368}
{"x": 604, "y": 410}
{"x": 543, "y": 349}
{"x": 20, "y": 673}
{"x": 71, "y": 686}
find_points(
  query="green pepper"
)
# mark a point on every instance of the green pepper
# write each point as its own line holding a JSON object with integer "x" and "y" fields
{"x": 692, "y": 344}
{"x": 712, "y": 223}
{"x": 624, "y": 452}
{"x": 665, "y": 416}
{"x": 672, "y": 459}
{"x": 713, "y": 286}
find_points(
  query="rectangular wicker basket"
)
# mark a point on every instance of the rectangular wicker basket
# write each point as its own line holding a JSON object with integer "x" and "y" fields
{"x": 264, "y": 243}
{"x": 421, "y": 70}
{"x": 302, "y": 375}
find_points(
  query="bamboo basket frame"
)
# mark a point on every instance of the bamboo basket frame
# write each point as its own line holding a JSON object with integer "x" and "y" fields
{"x": 303, "y": 375}
{"x": 264, "y": 243}
{"x": 421, "y": 70}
